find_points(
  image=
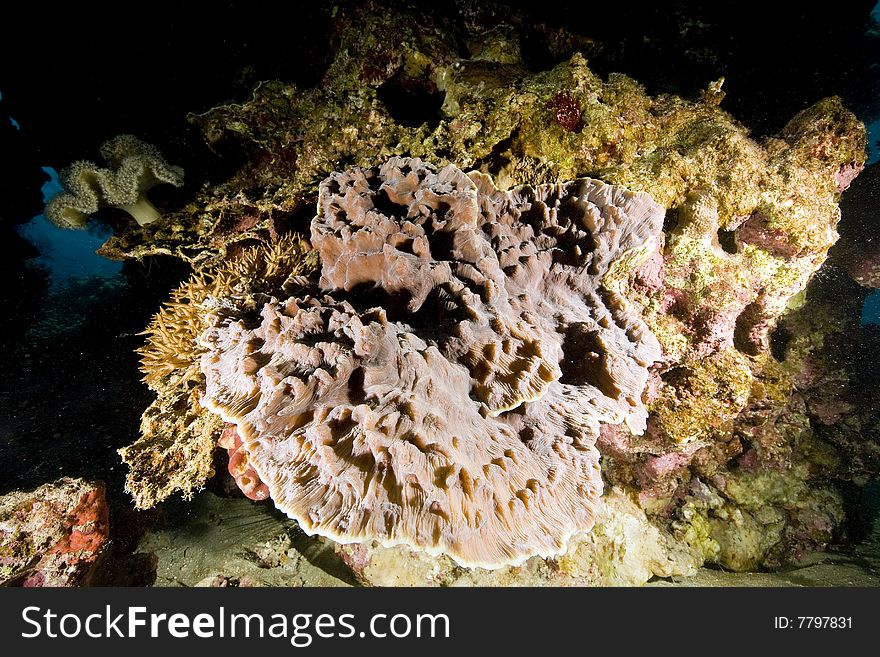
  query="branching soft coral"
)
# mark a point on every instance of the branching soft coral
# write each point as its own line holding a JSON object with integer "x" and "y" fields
{"x": 134, "y": 168}
{"x": 175, "y": 451}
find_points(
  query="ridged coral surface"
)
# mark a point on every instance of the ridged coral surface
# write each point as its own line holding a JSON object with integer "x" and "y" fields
{"x": 443, "y": 385}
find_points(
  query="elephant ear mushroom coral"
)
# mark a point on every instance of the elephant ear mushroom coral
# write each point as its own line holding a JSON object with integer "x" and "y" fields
{"x": 443, "y": 384}
{"x": 134, "y": 168}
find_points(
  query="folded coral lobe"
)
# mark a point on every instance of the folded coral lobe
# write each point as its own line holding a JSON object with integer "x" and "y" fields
{"x": 441, "y": 386}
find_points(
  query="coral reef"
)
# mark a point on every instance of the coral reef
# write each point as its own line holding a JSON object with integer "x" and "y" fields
{"x": 447, "y": 392}
{"x": 757, "y": 410}
{"x": 54, "y": 535}
{"x": 623, "y": 549}
{"x": 134, "y": 167}
{"x": 175, "y": 450}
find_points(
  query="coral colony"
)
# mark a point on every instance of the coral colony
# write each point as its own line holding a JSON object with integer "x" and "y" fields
{"x": 135, "y": 167}
{"x": 549, "y": 269}
{"x": 456, "y": 407}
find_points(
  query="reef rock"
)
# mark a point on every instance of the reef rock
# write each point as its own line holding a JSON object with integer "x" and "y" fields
{"x": 54, "y": 535}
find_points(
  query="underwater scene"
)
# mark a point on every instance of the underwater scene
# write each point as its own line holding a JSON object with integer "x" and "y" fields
{"x": 381, "y": 293}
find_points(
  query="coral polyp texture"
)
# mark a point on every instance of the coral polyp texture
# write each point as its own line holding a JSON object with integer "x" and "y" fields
{"x": 443, "y": 384}
{"x": 134, "y": 167}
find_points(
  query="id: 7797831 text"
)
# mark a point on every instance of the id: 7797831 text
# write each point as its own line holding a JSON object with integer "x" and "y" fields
{"x": 812, "y": 622}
